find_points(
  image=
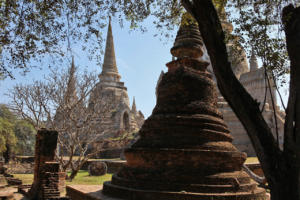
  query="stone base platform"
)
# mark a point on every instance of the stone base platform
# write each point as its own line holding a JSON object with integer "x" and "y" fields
{"x": 2, "y": 180}
{"x": 94, "y": 192}
{"x": 87, "y": 192}
{"x": 113, "y": 166}
{"x": 6, "y": 195}
{"x": 10, "y": 193}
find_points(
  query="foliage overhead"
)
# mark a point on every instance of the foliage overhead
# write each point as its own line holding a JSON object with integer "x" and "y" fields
{"x": 7, "y": 136}
{"x": 258, "y": 25}
{"x": 35, "y": 31}
{"x": 25, "y": 133}
{"x": 62, "y": 102}
{"x": 16, "y": 133}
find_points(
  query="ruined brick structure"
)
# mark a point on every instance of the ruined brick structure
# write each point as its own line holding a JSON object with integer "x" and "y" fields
{"x": 108, "y": 103}
{"x": 2, "y": 171}
{"x": 6, "y": 178}
{"x": 110, "y": 93}
{"x": 255, "y": 82}
{"x": 46, "y": 170}
{"x": 185, "y": 149}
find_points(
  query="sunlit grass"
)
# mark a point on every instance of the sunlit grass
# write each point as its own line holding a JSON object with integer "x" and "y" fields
{"x": 96, "y": 159}
{"x": 82, "y": 178}
{"x": 26, "y": 178}
{"x": 251, "y": 160}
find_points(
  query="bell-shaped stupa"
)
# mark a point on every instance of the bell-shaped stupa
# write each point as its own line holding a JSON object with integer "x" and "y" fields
{"x": 185, "y": 150}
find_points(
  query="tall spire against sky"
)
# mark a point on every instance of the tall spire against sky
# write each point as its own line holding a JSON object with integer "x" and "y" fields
{"x": 70, "y": 95}
{"x": 253, "y": 62}
{"x": 133, "y": 109}
{"x": 109, "y": 69}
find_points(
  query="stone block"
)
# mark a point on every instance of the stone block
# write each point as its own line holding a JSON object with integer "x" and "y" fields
{"x": 97, "y": 169}
{"x": 87, "y": 192}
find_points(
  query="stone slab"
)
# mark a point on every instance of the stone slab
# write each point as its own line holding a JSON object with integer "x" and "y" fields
{"x": 7, "y": 193}
{"x": 87, "y": 192}
{"x": 256, "y": 168}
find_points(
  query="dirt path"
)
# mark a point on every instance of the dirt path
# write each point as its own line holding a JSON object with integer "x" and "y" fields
{"x": 11, "y": 191}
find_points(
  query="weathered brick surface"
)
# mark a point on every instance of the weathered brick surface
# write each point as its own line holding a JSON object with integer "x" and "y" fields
{"x": 87, "y": 192}
{"x": 185, "y": 149}
{"x": 47, "y": 178}
{"x": 13, "y": 181}
{"x": 6, "y": 178}
{"x": 256, "y": 168}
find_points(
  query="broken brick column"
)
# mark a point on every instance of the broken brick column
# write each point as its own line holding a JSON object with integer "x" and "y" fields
{"x": 46, "y": 169}
{"x": 185, "y": 149}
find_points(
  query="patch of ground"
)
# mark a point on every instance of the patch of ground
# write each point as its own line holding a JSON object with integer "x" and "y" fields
{"x": 82, "y": 178}
{"x": 251, "y": 160}
{"x": 19, "y": 168}
{"x": 12, "y": 190}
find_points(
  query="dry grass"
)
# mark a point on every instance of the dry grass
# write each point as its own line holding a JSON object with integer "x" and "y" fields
{"x": 26, "y": 178}
{"x": 82, "y": 178}
{"x": 251, "y": 160}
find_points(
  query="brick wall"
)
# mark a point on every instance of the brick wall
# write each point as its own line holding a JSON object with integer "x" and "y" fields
{"x": 48, "y": 181}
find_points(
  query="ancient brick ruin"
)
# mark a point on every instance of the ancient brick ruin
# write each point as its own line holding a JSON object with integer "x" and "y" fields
{"x": 109, "y": 102}
{"x": 110, "y": 90}
{"x": 46, "y": 184}
{"x": 255, "y": 82}
{"x": 6, "y": 178}
{"x": 2, "y": 170}
{"x": 185, "y": 149}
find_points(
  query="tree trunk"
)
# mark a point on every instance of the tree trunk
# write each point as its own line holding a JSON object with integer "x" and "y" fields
{"x": 288, "y": 187}
{"x": 281, "y": 169}
{"x": 291, "y": 22}
{"x": 241, "y": 102}
{"x": 6, "y": 154}
{"x": 76, "y": 169}
{"x": 73, "y": 174}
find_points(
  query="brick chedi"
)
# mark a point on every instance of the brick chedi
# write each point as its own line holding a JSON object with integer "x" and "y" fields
{"x": 46, "y": 182}
{"x": 185, "y": 150}
{"x": 256, "y": 84}
{"x": 110, "y": 99}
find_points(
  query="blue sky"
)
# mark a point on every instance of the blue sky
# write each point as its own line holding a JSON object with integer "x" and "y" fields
{"x": 140, "y": 59}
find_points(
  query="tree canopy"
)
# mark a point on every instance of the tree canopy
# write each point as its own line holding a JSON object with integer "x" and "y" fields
{"x": 7, "y": 136}
{"x": 16, "y": 134}
{"x": 36, "y": 33}
{"x": 50, "y": 24}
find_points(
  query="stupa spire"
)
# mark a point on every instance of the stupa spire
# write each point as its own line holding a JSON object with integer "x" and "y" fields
{"x": 133, "y": 109}
{"x": 253, "y": 62}
{"x": 185, "y": 141}
{"x": 183, "y": 46}
{"x": 70, "y": 95}
{"x": 109, "y": 68}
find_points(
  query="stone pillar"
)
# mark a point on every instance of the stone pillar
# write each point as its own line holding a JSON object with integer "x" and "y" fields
{"x": 46, "y": 178}
{"x": 2, "y": 171}
{"x": 185, "y": 149}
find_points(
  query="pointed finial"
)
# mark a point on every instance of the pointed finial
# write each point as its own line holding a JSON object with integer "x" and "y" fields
{"x": 70, "y": 95}
{"x": 253, "y": 62}
{"x": 109, "y": 65}
{"x": 133, "y": 109}
{"x": 188, "y": 42}
{"x": 109, "y": 57}
{"x": 72, "y": 71}
{"x": 73, "y": 64}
